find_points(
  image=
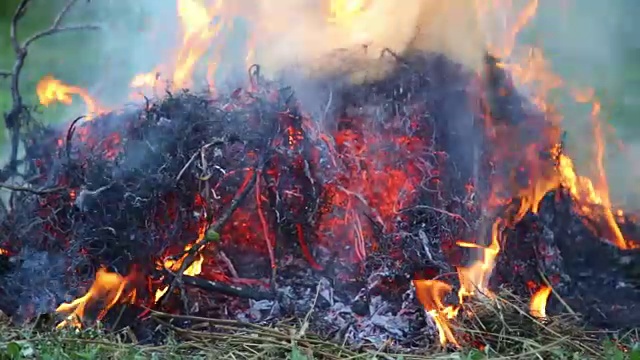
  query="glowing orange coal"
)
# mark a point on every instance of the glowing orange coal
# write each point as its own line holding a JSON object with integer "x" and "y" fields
{"x": 50, "y": 90}
{"x": 107, "y": 290}
{"x": 538, "y": 304}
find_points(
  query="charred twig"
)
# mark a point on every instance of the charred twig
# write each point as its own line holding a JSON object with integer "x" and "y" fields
{"x": 195, "y": 155}
{"x": 442, "y": 211}
{"x": 31, "y": 190}
{"x": 225, "y": 289}
{"x": 190, "y": 255}
{"x": 70, "y": 132}
{"x": 13, "y": 121}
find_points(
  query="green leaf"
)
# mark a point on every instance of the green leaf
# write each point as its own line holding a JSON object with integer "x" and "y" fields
{"x": 212, "y": 236}
{"x": 612, "y": 352}
{"x": 296, "y": 354}
{"x": 475, "y": 354}
{"x": 14, "y": 350}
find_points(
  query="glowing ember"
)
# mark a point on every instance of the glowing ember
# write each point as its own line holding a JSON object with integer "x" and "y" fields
{"x": 50, "y": 90}
{"x": 107, "y": 290}
{"x": 538, "y": 304}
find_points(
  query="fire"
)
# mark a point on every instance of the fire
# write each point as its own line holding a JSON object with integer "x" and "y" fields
{"x": 538, "y": 304}
{"x": 107, "y": 290}
{"x": 430, "y": 293}
{"x": 174, "y": 265}
{"x": 198, "y": 33}
{"x": 475, "y": 278}
{"x": 50, "y": 90}
{"x": 533, "y": 72}
{"x": 368, "y": 180}
{"x": 343, "y": 11}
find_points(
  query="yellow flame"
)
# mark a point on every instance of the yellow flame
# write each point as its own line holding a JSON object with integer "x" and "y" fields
{"x": 475, "y": 278}
{"x": 538, "y": 304}
{"x": 174, "y": 265}
{"x": 50, "y": 90}
{"x": 430, "y": 293}
{"x": 344, "y": 11}
{"x": 107, "y": 290}
{"x": 199, "y": 29}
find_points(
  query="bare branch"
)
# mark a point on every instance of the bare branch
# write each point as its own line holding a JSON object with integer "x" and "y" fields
{"x": 20, "y": 11}
{"x": 56, "y": 28}
{"x": 52, "y": 31}
{"x": 13, "y": 119}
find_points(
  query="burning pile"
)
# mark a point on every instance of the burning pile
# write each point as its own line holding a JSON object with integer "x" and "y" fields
{"x": 242, "y": 205}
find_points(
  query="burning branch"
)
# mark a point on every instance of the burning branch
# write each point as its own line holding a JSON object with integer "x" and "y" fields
{"x": 13, "y": 118}
{"x": 189, "y": 256}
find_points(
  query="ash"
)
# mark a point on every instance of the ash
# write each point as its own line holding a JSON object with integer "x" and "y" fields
{"x": 333, "y": 217}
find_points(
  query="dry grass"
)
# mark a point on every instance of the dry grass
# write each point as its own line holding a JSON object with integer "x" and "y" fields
{"x": 501, "y": 328}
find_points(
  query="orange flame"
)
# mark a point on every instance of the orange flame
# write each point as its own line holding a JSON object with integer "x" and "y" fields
{"x": 107, "y": 290}
{"x": 430, "y": 293}
{"x": 174, "y": 265}
{"x": 50, "y": 90}
{"x": 198, "y": 33}
{"x": 538, "y": 304}
{"x": 475, "y": 278}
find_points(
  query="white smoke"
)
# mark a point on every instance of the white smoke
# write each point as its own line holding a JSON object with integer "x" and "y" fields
{"x": 578, "y": 36}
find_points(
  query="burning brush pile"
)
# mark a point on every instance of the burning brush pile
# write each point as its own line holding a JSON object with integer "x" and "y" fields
{"x": 376, "y": 220}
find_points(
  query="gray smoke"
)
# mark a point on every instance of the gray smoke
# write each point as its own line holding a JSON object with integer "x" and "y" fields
{"x": 585, "y": 40}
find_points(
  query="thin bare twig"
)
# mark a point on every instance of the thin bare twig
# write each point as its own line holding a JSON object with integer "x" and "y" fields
{"x": 13, "y": 118}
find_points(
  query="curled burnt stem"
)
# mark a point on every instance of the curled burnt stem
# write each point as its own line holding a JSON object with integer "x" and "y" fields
{"x": 13, "y": 118}
{"x": 190, "y": 255}
{"x": 70, "y": 132}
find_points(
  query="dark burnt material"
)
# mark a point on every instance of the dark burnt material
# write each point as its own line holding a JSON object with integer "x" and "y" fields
{"x": 130, "y": 188}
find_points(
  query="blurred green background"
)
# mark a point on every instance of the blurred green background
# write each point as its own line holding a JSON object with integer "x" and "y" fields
{"x": 594, "y": 44}
{"x": 66, "y": 55}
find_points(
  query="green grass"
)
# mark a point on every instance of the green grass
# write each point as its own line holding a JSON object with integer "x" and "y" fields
{"x": 507, "y": 331}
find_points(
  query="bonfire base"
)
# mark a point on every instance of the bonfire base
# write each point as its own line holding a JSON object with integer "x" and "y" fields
{"x": 314, "y": 235}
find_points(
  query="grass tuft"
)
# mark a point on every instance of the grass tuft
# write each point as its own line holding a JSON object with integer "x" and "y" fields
{"x": 491, "y": 329}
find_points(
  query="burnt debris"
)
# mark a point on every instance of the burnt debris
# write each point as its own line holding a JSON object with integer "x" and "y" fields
{"x": 339, "y": 214}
